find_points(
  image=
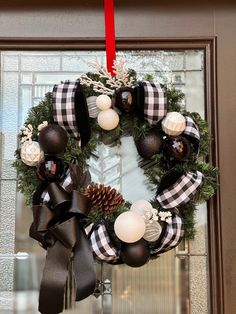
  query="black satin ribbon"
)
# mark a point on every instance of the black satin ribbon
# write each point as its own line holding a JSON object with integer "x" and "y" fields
{"x": 64, "y": 238}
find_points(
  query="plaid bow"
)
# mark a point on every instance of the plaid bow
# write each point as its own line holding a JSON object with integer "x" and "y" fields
{"x": 191, "y": 128}
{"x": 102, "y": 247}
{"x": 64, "y": 107}
{"x": 155, "y": 102}
{"x": 181, "y": 191}
{"x": 172, "y": 235}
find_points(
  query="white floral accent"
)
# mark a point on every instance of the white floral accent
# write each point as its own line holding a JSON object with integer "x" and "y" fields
{"x": 146, "y": 216}
{"x": 169, "y": 220}
{"x": 112, "y": 83}
{"x": 155, "y": 214}
{"x": 27, "y": 131}
{"x": 151, "y": 216}
{"x": 166, "y": 216}
{"x": 42, "y": 125}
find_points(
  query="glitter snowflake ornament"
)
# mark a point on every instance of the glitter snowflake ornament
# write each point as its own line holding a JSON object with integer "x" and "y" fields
{"x": 31, "y": 153}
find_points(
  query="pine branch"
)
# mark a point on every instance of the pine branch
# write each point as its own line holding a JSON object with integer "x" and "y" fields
{"x": 174, "y": 98}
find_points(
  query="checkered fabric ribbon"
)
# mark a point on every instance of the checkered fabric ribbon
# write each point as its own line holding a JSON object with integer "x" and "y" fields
{"x": 191, "y": 128}
{"x": 64, "y": 107}
{"x": 102, "y": 247}
{"x": 155, "y": 102}
{"x": 181, "y": 191}
{"x": 45, "y": 198}
{"x": 174, "y": 233}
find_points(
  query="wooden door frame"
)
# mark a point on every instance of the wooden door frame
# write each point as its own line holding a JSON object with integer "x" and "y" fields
{"x": 208, "y": 45}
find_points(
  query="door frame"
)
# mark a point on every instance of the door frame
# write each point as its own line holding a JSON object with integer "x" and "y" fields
{"x": 209, "y": 46}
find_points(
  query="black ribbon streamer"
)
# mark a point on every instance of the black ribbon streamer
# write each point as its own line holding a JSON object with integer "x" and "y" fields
{"x": 59, "y": 230}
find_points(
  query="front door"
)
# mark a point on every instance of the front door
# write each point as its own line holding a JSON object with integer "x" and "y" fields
{"x": 179, "y": 281}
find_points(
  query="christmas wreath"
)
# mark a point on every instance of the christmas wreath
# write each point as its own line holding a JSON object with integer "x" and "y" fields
{"x": 77, "y": 219}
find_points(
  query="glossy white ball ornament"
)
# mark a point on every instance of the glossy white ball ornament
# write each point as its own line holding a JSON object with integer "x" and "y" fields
{"x": 103, "y": 102}
{"x": 142, "y": 207}
{"x": 129, "y": 227}
{"x": 108, "y": 119}
{"x": 92, "y": 107}
{"x": 31, "y": 153}
{"x": 174, "y": 123}
{"x": 152, "y": 231}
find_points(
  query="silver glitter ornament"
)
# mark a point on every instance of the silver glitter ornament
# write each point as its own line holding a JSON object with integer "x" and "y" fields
{"x": 152, "y": 231}
{"x": 92, "y": 107}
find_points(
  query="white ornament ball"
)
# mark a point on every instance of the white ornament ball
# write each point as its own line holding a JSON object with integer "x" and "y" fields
{"x": 108, "y": 119}
{"x": 142, "y": 207}
{"x": 174, "y": 123}
{"x": 152, "y": 231}
{"x": 103, "y": 102}
{"x": 129, "y": 227}
{"x": 92, "y": 107}
{"x": 31, "y": 153}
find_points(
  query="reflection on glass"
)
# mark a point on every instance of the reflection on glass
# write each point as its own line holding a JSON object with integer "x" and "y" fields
{"x": 175, "y": 282}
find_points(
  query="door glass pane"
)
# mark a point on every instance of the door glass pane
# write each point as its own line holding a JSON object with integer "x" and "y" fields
{"x": 174, "y": 283}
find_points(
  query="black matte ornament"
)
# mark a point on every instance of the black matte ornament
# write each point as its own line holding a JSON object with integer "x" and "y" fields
{"x": 149, "y": 145}
{"x": 177, "y": 148}
{"x": 50, "y": 169}
{"x": 135, "y": 254}
{"x": 53, "y": 139}
{"x": 124, "y": 99}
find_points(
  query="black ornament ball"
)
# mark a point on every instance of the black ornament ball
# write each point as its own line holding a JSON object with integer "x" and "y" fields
{"x": 177, "y": 148}
{"x": 53, "y": 139}
{"x": 124, "y": 99}
{"x": 135, "y": 254}
{"x": 50, "y": 169}
{"x": 149, "y": 144}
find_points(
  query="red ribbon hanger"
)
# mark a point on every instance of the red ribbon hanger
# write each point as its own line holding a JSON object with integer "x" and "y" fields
{"x": 110, "y": 34}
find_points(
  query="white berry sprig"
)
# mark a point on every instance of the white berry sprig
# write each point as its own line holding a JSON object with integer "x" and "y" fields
{"x": 27, "y": 132}
{"x": 42, "y": 125}
{"x": 165, "y": 216}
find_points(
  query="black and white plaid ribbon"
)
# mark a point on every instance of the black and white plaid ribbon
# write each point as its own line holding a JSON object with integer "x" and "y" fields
{"x": 64, "y": 107}
{"x": 155, "y": 102}
{"x": 172, "y": 236}
{"x": 102, "y": 247}
{"x": 191, "y": 128}
{"x": 45, "y": 198}
{"x": 181, "y": 191}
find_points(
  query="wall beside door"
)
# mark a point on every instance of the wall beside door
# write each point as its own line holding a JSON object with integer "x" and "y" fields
{"x": 145, "y": 19}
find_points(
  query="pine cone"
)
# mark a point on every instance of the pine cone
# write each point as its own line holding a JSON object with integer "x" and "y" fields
{"x": 104, "y": 198}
